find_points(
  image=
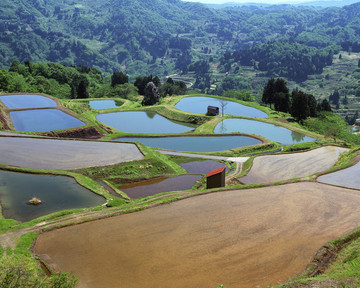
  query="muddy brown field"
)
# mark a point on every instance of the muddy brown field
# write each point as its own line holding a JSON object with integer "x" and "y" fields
{"x": 287, "y": 166}
{"x": 240, "y": 238}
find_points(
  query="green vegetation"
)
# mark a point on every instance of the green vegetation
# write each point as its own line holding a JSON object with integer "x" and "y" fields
{"x": 17, "y": 269}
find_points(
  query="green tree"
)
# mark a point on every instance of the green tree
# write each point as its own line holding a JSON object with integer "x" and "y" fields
{"x": 151, "y": 95}
{"x": 119, "y": 78}
{"x": 82, "y": 90}
{"x": 269, "y": 92}
{"x": 300, "y": 106}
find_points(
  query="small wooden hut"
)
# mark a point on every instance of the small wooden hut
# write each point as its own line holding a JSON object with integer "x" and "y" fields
{"x": 216, "y": 178}
{"x": 212, "y": 111}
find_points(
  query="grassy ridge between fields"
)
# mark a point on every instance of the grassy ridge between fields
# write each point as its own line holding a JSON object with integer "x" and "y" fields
{"x": 343, "y": 271}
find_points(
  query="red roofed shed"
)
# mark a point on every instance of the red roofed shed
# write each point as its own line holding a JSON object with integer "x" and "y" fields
{"x": 216, "y": 178}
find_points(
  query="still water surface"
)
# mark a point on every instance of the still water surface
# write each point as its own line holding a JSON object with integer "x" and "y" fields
{"x": 27, "y": 101}
{"x": 143, "y": 122}
{"x": 103, "y": 104}
{"x": 347, "y": 177}
{"x": 43, "y": 120}
{"x": 270, "y": 131}
{"x": 159, "y": 185}
{"x": 195, "y": 143}
{"x": 200, "y": 104}
{"x": 56, "y": 192}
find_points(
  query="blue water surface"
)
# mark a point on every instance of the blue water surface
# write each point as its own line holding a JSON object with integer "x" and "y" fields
{"x": 27, "y": 101}
{"x": 199, "y": 105}
{"x": 269, "y": 131}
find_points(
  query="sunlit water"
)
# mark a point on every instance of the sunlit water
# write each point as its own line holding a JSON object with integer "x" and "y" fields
{"x": 142, "y": 122}
{"x": 200, "y": 104}
{"x": 269, "y": 131}
{"x": 195, "y": 143}
{"x": 27, "y": 101}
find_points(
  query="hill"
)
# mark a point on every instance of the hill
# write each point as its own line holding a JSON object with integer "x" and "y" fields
{"x": 162, "y": 37}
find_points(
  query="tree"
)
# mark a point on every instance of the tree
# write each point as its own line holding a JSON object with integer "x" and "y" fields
{"x": 119, "y": 78}
{"x": 269, "y": 92}
{"x": 151, "y": 95}
{"x": 325, "y": 105}
{"x": 300, "y": 106}
{"x": 82, "y": 90}
{"x": 223, "y": 104}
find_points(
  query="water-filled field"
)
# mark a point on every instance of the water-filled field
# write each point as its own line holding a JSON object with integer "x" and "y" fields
{"x": 143, "y": 122}
{"x": 281, "y": 167}
{"x": 159, "y": 185}
{"x": 202, "y": 167}
{"x": 195, "y": 143}
{"x": 64, "y": 154}
{"x": 269, "y": 131}
{"x": 347, "y": 178}
{"x": 241, "y": 238}
{"x": 27, "y": 101}
{"x": 103, "y": 104}
{"x": 200, "y": 104}
{"x": 56, "y": 193}
{"x": 42, "y": 120}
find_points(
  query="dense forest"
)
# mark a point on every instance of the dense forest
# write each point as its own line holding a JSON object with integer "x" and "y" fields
{"x": 165, "y": 36}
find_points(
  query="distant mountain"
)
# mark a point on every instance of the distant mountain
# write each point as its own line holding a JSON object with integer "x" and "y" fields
{"x": 321, "y": 3}
{"x": 161, "y": 37}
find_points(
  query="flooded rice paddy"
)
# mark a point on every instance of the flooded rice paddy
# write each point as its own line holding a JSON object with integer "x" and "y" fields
{"x": 199, "y": 105}
{"x": 241, "y": 238}
{"x": 195, "y": 143}
{"x": 281, "y": 167}
{"x": 57, "y": 193}
{"x": 27, "y": 101}
{"x": 104, "y": 104}
{"x": 154, "y": 186}
{"x": 43, "y": 120}
{"x": 269, "y": 131}
{"x": 64, "y": 154}
{"x": 348, "y": 177}
{"x": 143, "y": 122}
{"x": 202, "y": 167}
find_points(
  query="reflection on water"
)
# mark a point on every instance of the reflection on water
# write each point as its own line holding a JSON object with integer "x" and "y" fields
{"x": 104, "y": 104}
{"x": 27, "y": 101}
{"x": 297, "y": 137}
{"x": 270, "y": 131}
{"x": 159, "y": 185}
{"x": 43, "y": 120}
{"x": 195, "y": 143}
{"x": 143, "y": 122}
{"x": 202, "y": 167}
{"x": 150, "y": 114}
{"x": 56, "y": 193}
{"x": 200, "y": 104}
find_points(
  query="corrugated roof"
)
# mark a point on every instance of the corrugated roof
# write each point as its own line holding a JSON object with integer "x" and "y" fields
{"x": 216, "y": 171}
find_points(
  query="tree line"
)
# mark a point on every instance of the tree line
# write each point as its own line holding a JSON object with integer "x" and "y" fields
{"x": 299, "y": 104}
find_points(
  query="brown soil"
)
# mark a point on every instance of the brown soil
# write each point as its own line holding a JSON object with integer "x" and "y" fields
{"x": 3, "y": 121}
{"x": 221, "y": 237}
{"x": 78, "y": 133}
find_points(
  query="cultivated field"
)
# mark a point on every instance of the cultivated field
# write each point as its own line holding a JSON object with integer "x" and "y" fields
{"x": 64, "y": 154}
{"x": 241, "y": 238}
{"x": 281, "y": 167}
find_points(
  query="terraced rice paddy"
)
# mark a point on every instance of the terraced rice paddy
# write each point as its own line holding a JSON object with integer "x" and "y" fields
{"x": 346, "y": 178}
{"x": 287, "y": 166}
{"x": 242, "y": 238}
{"x": 64, "y": 154}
